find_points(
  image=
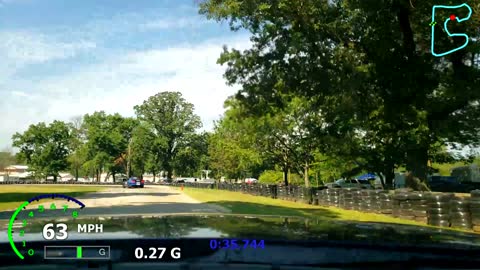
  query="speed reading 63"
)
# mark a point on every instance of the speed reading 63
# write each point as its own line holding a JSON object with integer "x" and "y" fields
{"x": 157, "y": 253}
{"x": 49, "y": 232}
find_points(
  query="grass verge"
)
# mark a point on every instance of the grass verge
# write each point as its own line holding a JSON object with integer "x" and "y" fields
{"x": 12, "y": 196}
{"x": 240, "y": 203}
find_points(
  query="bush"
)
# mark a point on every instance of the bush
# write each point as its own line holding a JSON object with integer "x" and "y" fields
{"x": 276, "y": 177}
{"x": 271, "y": 177}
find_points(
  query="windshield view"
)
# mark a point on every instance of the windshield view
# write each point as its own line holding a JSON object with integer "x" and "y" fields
{"x": 239, "y": 134}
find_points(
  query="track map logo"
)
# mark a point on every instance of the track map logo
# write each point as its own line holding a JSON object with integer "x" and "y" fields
{"x": 452, "y": 17}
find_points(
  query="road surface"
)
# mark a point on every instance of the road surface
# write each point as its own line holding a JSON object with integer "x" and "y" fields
{"x": 117, "y": 201}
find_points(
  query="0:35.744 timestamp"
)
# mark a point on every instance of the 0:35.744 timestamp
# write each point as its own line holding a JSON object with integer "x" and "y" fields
{"x": 236, "y": 244}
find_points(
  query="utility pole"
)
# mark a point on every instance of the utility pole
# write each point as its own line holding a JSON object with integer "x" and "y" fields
{"x": 129, "y": 157}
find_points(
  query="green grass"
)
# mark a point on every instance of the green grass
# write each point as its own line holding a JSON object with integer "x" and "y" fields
{"x": 12, "y": 196}
{"x": 240, "y": 203}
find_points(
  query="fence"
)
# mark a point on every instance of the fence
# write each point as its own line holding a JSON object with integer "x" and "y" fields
{"x": 444, "y": 210}
{"x": 33, "y": 182}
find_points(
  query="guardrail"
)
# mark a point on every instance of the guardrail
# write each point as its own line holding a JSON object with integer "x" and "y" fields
{"x": 444, "y": 210}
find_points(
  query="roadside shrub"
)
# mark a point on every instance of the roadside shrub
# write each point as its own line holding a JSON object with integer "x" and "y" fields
{"x": 276, "y": 177}
{"x": 271, "y": 177}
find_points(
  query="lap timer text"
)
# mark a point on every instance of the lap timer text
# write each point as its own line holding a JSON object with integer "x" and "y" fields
{"x": 236, "y": 244}
{"x": 157, "y": 253}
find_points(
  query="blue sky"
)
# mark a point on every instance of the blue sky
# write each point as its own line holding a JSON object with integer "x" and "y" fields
{"x": 61, "y": 59}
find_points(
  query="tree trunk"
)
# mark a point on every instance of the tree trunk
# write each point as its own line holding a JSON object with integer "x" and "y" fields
{"x": 107, "y": 176}
{"x": 306, "y": 178}
{"x": 285, "y": 175}
{"x": 389, "y": 176}
{"x": 113, "y": 176}
{"x": 129, "y": 162}
{"x": 54, "y": 178}
{"x": 76, "y": 174}
{"x": 382, "y": 180}
{"x": 417, "y": 162}
{"x": 289, "y": 176}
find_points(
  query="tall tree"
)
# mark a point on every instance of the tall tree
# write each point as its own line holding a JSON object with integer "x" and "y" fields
{"x": 144, "y": 151}
{"x": 336, "y": 54}
{"x": 107, "y": 140}
{"x": 233, "y": 148}
{"x": 45, "y": 148}
{"x": 173, "y": 121}
{"x": 193, "y": 158}
{"x": 77, "y": 157}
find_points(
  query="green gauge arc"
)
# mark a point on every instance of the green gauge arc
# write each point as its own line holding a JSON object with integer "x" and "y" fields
{"x": 10, "y": 227}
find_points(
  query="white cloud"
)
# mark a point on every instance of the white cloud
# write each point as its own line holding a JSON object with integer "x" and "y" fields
{"x": 19, "y": 49}
{"x": 28, "y": 47}
{"x": 121, "y": 81}
{"x": 173, "y": 23}
{"x": 20, "y": 94}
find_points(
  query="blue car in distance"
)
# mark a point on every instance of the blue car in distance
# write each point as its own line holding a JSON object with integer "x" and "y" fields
{"x": 134, "y": 182}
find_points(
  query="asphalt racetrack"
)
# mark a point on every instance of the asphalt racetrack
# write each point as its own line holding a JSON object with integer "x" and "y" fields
{"x": 119, "y": 201}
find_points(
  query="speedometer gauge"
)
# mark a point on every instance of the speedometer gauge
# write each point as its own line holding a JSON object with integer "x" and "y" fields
{"x": 21, "y": 222}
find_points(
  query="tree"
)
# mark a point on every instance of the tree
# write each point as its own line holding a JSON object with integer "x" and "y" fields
{"x": 78, "y": 156}
{"x": 45, "y": 148}
{"x": 144, "y": 151}
{"x": 107, "y": 139}
{"x": 173, "y": 123}
{"x": 363, "y": 76}
{"x": 232, "y": 147}
{"x": 7, "y": 158}
{"x": 193, "y": 158}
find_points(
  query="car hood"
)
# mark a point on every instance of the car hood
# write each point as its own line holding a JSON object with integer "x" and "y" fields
{"x": 252, "y": 227}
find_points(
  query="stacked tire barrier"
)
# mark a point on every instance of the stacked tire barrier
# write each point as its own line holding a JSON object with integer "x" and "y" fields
{"x": 346, "y": 198}
{"x": 382, "y": 202}
{"x": 329, "y": 197}
{"x": 419, "y": 205}
{"x": 459, "y": 214}
{"x": 366, "y": 200}
{"x": 475, "y": 209}
{"x": 439, "y": 209}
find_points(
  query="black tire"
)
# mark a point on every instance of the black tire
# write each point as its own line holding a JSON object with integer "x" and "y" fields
{"x": 436, "y": 211}
{"x": 406, "y": 212}
{"x": 406, "y": 205}
{"x": 439, "y": 217}
{"x": 461, "y": 221}
{"x": 419, "y": 213}
{"x": 475, "y": 220}
{"x": 456, "y": 215}
{"x": 461, "y": 225}
{"x": 440, "y": 223}
{"x": 400, "y": 197}
{"x": 439, "y": 205}
{"x": 475, "y": 193}
{"x": 460, "y": 203}
{"x": 420, "y": 207}
{"x": 416, "y": 196}
{"x": 440, "y": 197}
